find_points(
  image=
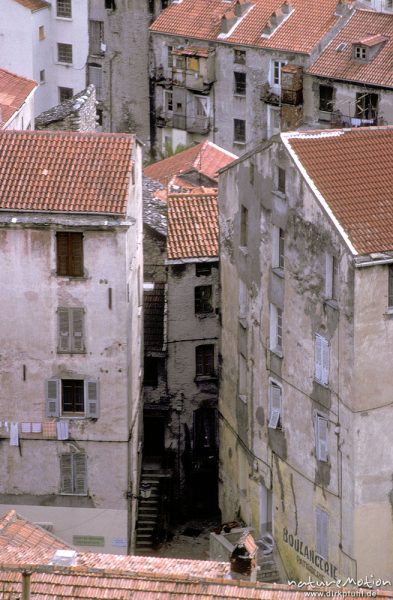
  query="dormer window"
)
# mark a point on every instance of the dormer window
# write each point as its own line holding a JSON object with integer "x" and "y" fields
{"x": 360, "y": 53}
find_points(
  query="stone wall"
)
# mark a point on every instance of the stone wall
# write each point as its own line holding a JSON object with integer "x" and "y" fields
{"x": 77, "y": 114}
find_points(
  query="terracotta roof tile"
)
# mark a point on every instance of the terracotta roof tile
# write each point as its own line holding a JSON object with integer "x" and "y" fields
{"x": 17, "y": 531}
{"x": 34, "y": 5}
{"x": 65, "y": 172}
{"x": 353, "y": 170}
{"x": 14, "y": 90}
{"x": 303, "y": 29}
{"x": 339, "y": 64}
{"x": 153, "y": 312}
{"x": 206, "y": 158}
{"x": 192, "y": 226}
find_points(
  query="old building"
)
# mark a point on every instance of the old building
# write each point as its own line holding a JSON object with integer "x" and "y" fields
{"x": 16, "y": 101}
{"x": 306, "y": 263}
{"x": 71, "y": 276}
{"x": 77, "y": 114}
{"x": 351, "y": 82}
{"x": 218, "y": 71}
{"x": 47, "y": 42}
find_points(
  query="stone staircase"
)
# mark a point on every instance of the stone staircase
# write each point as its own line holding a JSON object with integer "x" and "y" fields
{"x": 148, "y": 509}
{"x": 267, "y": 571}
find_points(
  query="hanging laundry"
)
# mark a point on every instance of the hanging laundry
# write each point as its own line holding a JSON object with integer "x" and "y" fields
{"x": 14, "y": 434}
{"x": 6, "y": 426}
{"x": 25, "y": 427}
{"x": 36, "y": 427}
{"x": 62, "y": 430}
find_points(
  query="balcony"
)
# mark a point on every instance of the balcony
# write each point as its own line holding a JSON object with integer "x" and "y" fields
{"x": 336, "y": 119}
{"x": 192, "y": 123}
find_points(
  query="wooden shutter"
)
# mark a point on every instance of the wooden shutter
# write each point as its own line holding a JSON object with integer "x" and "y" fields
{"x": 76, "y": 254}
{"x": 322, "y": 537}
{"x": 66, "y": 479}
{"x": 77, "y": 342}
{"x": 80, "y": 473}
{"x": 52, "y": 408}
{"x": 64, "y": 341}
{"x": 322, "y": 439}
{"x": 318, "y": 357}
{"x": 62, "y": 253}
{"x": 328, "y": 276}
{"x": 275, "y": 405}
{"x": 92, "y": 399}
{"x": 325, "y": 361}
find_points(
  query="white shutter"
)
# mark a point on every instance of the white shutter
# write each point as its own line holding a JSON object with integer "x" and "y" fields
{"x": 80, "y": 473}
{"x": 328, "y": 276}
{"x": 322, "y": 537}
{"x": 52, "y": 405}
{"x": 64, "y": 341}
{"x": 275, "y": 246}
{"x": 318, "y": 357}
{"x": 325, "y": 361}
{"x": 92, "y": 407}
{"x": 275, "y": 405}
{"x": 77, "y": 343}
{"x": 66, "y": 485}
{"x": 273, "y": 327}
{"x": 322, "y": 439}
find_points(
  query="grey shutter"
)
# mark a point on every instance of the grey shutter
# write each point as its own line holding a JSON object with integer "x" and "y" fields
{"x": 318, "y": 357}
{"x": 322, "y": 439}
{"x": 322, "y": 537}
{"x": 66, "y": 485}
{"x": 273, "y": 327}
{"x": 275, "y": 246}
{"x": 52, "y": 405}
{"x": 328, "y": 276}
{"x": 64, "y": 342}
{"x": 92, "y": 406}
{"x": 325, "y": 361}
{"x": 275, "y": 405}
{"x": 80, "y": 473}
{"x": 77, "y": 343}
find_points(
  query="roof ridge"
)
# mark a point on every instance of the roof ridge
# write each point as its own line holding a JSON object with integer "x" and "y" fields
{"x": 18, "y": 76}
{"x": 9, "y": 517}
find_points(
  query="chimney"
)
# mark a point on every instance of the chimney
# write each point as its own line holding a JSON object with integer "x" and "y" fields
{"x": 243, "y": 559}
{"x": 286, "y": 8}
{"x": 228, "y": 20}
{"x": 340, "y": 8}
{"x": 241, "y": 7}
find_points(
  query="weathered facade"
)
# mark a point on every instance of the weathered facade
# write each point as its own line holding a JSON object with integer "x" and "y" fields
{"x": 71, "y": 267}
{"x": 304, "y": 438}
{"x": 77, "y": 114}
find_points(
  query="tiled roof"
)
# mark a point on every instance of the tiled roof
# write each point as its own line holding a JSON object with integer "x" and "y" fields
{"x": 65, "y": 172}
{"x": 353, "y": 170}
{"x": 17, "y": 531}
{"x": 339, "y": 64}
{"x": 33, "y": 5}
{"x": 206, "y": 158}
{"x": 192, "y": 51}
{"x": 14, "y": 90}
{"x": 153, "y": 313}
{"x": 303, "y": 29}
{"x": 192, "y": 226}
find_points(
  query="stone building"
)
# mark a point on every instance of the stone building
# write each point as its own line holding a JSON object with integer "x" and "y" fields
{"x": 71, "y": 276}
{"x": 77, "y": 114}
{"x": 305, "y": 398}
{"x": 351, "y": 82}
{"x": 16, "y": 101}
{"x": 217, "y": 71}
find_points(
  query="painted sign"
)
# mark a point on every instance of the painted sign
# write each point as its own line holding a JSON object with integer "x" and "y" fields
{"x": 88, "y": 540}
{"x": 309, "y": 556}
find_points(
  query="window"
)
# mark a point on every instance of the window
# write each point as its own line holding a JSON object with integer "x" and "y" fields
{"x": 275, "y": 328}
{"x": 322, "y": 529}
{"x": 243, "y": 300}
{"x": 275, "y": 74}
{"x": 73, "y": 473}
{"x": 273, "y": 121}
{"x": 366, "y": 106}
{"x": 281, "y": 180}
{"x": 240, "y": 83}
{"x": 69, "y": 254}
{"x": 321, "y": 437}
{"x": 96, "y": 37}
{"x": 331, "y": 277}
{"x": 322, "y": 352}
{"x": 42, "y": 76}
{"x": 203, "y": 269}
{"x": 70, "y": 329}
{"x": 150, "y": 371}
{"x": 326, "y": 98}
{"x": 94, "y": 76}
{"x": 204, "y": 360}
{"x": 110, "y": 4}
{"x": 360, "y": 53}
{"x": 277, "y": 248}
{"x": 239, "y": 131}
{"x": 168, "y": 101}
{"x": 72, "y": 397}
{"x": 41, "y": 32}
{"x": 203, "y": 299}
{"x": 202, "y": 106}
{"x": 65, "y": 94}
{"x": 243, "y": 226}
{"x": 390, "y": 286}
{"x": 275, "y": 394}
{"x": 193, "y": 64}
{"x": 169, "y": 57}
{"x": 63, "y": 9}
{"x": 64, "y": 53}
{"x": 239, "y": 57}
{"x": 243, "y": 378}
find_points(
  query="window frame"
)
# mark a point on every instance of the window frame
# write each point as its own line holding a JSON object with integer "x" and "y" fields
{"x": 278, "y": 247}
{"x": 239, "y": 56}
{"x": 67, "y": 51}
{"x": 239, "y": 83}
{"x": 67, "y": 321}
{"x": 276, "y": 321}
{"x": 243, "y": 227}
{"x": 67, "y": 3}
{"x": 204, "y": 354}
{"x": 331, "y": 277}
{"x": 203, "y": 269}
{"x": 321, "y": 359}
{"x": 95, "y": 77}
{"x": 326, "y": 104}
{"x": 67, "y": 92}
{"x": 96, "y": 37}
{"x": 322, "y": 533}
{"x": 77, "y": 473}
{"x": 74, "y": 265}
{"x": 322, "y": 437}
{"x": 41, "y": 33}
{"x": 203, "y": 299}
{"x": 239, "y": 131}
{"x": 366, "y": 106}
{"x": 275, "y": 72}
{"x": 54, "y": 399}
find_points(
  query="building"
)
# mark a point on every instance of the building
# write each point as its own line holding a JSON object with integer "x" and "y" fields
{"x": 351, "y": 82}
{"x": 218, "y": 72}
{"x": 71, "y": 275}
{"x": 305, "y": 400}
{"x": 77, "y": 114}
{"x": 46, "y": 42}
{"x": 16, "y": 101}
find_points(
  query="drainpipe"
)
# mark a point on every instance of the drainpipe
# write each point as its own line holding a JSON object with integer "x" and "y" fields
{"x": 26, "y": 585}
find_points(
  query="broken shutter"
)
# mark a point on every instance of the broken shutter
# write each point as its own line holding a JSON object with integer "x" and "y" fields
{"x": 80, "y": 473}
{"x": 77, "y": 344}
{"x": 275, "y": 405}
{"x": 66, "y": 485}
{"x": 328, "y": 276}
{"x": 64, "y": 341}
{"x": 322, "y": 526}
{"x": 52, "y": 408}
{"x": 322, "y": 438}
{"x": 92, "y": 399}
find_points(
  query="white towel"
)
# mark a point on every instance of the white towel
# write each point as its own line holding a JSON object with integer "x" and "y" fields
{"x": 36, "y": 427}
{"x": 14, "y": 435}
{"x": 25, "y": 427}
{"x": 62, "y": 430}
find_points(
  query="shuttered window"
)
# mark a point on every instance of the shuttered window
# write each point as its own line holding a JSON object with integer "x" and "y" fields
{"x": 73, "y": 473}
{"x": 321, "y": 430}
{"x": 322, "y": 359}
{"x": 322, "y": 533}
{"x": 204, "y": 359}
{"x": 274, "y": 405}
{"x": 275, "y": 328}
{"x": 69, "y": 397}
{"x": 69, "y": 253}
{"x": 70, "y": 330}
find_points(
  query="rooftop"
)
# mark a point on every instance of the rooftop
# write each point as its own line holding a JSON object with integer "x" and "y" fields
{"x": 365, "y": 28}
{"x": 192, "y": 226}
{"x": 338, "y": 164}
{"x": 14, "y": 91}
{"x": 63, "y": 110}
{"x": 15, "y": 530}
{"x": 33, "y": 5}
{"x": 205, "y": 158}
{"x": 308, "y": 21}
{"x": 65, "y": 172}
